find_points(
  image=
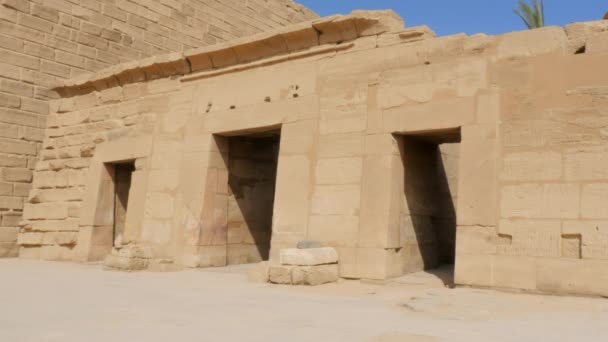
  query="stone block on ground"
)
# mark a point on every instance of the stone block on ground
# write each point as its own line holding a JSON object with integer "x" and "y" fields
{"x": 308, "y": 257}
{"x": 118, "y": 263}
{"x": 304, "y": 275}
{"x": 280, "y": 275}
{"x": 130, "y": 258}
{"x": 314, "y": 275}
{"x": 259, "y": 273}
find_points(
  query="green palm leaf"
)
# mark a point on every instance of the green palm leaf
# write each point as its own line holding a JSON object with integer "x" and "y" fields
{"x": 532, "y": 15}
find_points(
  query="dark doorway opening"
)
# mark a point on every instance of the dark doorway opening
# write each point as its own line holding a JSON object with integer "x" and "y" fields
{"x": 121, "y": 176}
{"x": 252, "y": 169}
{"x": 428, "y": 216}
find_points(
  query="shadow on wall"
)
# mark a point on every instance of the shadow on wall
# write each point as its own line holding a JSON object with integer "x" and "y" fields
{"x": 252, "y": 171}
{"x": 428, "y": 220}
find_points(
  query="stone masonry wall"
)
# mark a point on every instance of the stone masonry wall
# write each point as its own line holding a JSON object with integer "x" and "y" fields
{"x": 342, "y": 90}
{"x": 44, "y": 41}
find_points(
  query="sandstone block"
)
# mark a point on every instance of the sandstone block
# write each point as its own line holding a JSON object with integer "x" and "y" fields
{"x": 573, "y": 276}
{"x": 57, "y": 210}
{"x": 593, "y": 201}
{"x": 22, "y": 6}
{"x": 119, "y": 263}
{"x": 280, "y": 274}
{"x": 8, "y": 234}
{"x": 597, "y": 43}
{"x": 60, "y": 238}
{"x": 314, "y": 275}
{"x": 291, "y": 194}
{"x": 476, "y": 240}
{"x": 339, "y": 171}
{"x": 9, "y": 250}
{"x": 259, "y": 273}
{"x": 540, "y": 201}
{"x": 16, "y": 175}
{"x": 580, "y": 33}
{"x": 31, "y": 239}
{"x": 29, "y": 252}
{"x": 334, "y": 230}
{"x": 336, "y": 199}
{"x": 377, "y": 22}
{"x": 477, "y": 186}
{"x": 11, "y": 219}
{"x": 532, "y": 43}
{"x": 308, "y": 257}
{"x": 16, "y": 88}
{"x": 11, "y": 101}
{"x": 471, "y": 269}
{"x": 9, "y": 202}
{"x": 133, "y": 251}
{"x": 532, "y": 166}
{"x": 514, "y": 272}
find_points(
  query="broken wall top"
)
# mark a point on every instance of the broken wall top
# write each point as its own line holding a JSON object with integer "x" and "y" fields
{"x": 334, "y": 30}
{"x": 334, "y": 33}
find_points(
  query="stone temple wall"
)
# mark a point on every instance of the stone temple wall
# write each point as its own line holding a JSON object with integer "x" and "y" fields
{"x": 45, "y": 41}
{"x": 526, "y": 112}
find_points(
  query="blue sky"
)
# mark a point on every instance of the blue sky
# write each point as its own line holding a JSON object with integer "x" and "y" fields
{"x": 469, "y": 16}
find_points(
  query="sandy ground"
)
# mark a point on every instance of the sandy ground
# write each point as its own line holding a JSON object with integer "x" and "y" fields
{"x": 41, "y": 301}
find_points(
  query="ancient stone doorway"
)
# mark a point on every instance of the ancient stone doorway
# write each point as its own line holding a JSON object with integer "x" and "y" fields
{"x": 252, "y": 169}
{"x": 428, "y": 213}
{"x": 122, "y": 184}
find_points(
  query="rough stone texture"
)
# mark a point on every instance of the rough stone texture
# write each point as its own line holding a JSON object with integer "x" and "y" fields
{"x": 303, "y": 275}
{"x": 45, "y": 42}
{"x": 132, "y": 258}
{"x": 315, "y": 275}
{"x": 511, "y": 150}
{"x": 280, "y": 275}
{"x": 308, "y": 257}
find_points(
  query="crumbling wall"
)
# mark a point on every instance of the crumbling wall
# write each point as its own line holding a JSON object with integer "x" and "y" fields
{"x": 82, "y": 129}
{"x": 44, "y": 42}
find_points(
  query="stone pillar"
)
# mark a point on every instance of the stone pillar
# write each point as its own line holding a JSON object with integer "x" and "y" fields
{"x": 381, "y": 200}
{"x": 203, "y": 188}
{"x": 293, "y": 185}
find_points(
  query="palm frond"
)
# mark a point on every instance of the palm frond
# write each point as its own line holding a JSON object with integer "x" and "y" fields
{"x": 532, "y": 15}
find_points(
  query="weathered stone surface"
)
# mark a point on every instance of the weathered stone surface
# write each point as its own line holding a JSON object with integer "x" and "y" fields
{"x": 119, "y": 263}
{"x": 308, "y": 257}
{"x": 303, "y": 275}
{"x": 314, "y": 275}
{"x": 280, "y": 274}
{"x": 260, "y": 273}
